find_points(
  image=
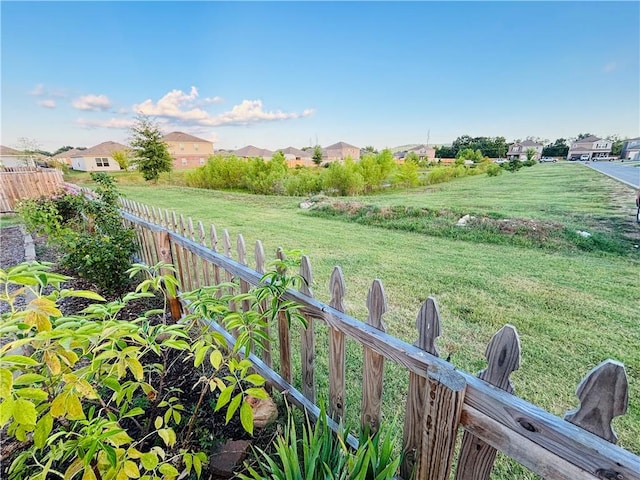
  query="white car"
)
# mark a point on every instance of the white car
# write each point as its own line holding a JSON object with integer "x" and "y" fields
{"x": 548, "y": 159}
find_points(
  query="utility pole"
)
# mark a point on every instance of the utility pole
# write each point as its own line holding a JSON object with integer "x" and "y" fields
{"x": 428, "y": 135}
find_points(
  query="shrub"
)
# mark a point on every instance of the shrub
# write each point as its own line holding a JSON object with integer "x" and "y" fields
{"x": 494, "y": 170}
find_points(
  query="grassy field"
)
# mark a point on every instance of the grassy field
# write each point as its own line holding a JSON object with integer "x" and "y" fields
{"x": 572, "y": 309}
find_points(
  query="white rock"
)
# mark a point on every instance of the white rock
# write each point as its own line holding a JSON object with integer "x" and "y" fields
{"x": 583, "y": 234}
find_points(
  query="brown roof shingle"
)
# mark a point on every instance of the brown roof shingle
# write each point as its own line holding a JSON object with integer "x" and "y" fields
{"x": 104, "y": 148}
{"x": 182, "y": 137}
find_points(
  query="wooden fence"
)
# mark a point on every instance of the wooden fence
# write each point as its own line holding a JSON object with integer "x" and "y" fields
{"x": 440, "y": 399}
{"x": 27, "y": 182}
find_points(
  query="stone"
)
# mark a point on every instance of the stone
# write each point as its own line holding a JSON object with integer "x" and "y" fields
{"x": 464, "y": 220}
{"x": 228, "y": 458}
{"x": 265, "y": 411}
{"x": 583, "y": 234}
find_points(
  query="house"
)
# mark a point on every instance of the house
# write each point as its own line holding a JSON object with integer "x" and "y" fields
{"x": 295, "y": 157}
{"x": 519, "y": 150}
{"x": 590, "y": 148}
{"x": 10, "y": 157}
{"x": 253, "y": 152}
{"x": 98, "y": 158}
{"x": 424, "y": 153}
{"x": 631, "y": 149}
{"x": 339, "y": 152}
{"x": 187, "y": 150}
{"x": 65, "y": 157}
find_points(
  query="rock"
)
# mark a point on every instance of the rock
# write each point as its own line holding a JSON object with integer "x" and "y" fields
{"x": 307, "y": 204}
{"x": 265, "y": 411}
{"x": 583, "y": 234}
{"x": 464, "y": 220}
{"x": 227, "y": 459}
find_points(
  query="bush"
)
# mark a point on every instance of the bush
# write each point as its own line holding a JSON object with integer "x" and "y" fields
{"x": 494, "y": 170}
{"x": 89, "y": 232}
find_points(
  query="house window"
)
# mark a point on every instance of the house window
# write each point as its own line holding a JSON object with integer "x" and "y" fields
{"x": 181, "y": 146}
{"x": 102, "y": 162}
{"x": 202, "y": 161}
{"x": 195, "y": 147}
{"x": 184, "y": 161}
{"x": 516, "y": 149}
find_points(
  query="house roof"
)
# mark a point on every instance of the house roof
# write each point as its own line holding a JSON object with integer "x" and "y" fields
{"x": 182, "y": 137}
{"x": 295, "y": 151}
{"x": 589, "y": 139}
{"x": 339, "y": 145}
{"x": 530, "y": 143}
{"x": 69, "y": 153}
{"x": 420, "y": 147}
{"x": 9, "y": 151}
{"x": 104, "y": 148}
{"x": 251, "y": 151}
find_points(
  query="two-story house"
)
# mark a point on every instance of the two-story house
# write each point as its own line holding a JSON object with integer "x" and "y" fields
{"x": 590, "y": 148}
{"x": 519, "y": 150}
{"x": 631, "y": 149}
{"x": 339, "y": 152}
{"x": 253, "y": 152}
{"x": 187, "y": 151}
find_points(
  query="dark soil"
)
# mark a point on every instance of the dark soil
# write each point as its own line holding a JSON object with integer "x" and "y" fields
{"x": 181, "y": 379}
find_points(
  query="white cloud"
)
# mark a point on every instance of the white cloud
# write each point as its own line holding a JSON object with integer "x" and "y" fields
{"x": 38, "y": 90}
{"x": 92, "y": 102}
{"x": 118, "y": 123}
{"x": 610, "y": 67}
{"x": 182, "y": 107}
{"x": 47, "y": 103}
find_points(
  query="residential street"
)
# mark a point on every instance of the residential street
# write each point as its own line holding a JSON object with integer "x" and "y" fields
{"x": 627, "y": 172}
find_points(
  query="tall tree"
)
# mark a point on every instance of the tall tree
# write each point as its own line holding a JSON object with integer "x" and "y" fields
{"x": 150, "y": 152}
{"x": 317, "y": 155}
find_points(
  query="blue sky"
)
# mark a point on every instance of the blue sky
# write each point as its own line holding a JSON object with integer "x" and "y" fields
{"x": 275, "y": 74}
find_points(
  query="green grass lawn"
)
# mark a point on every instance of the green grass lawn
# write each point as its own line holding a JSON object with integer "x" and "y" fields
{"x": 572, "y": 309}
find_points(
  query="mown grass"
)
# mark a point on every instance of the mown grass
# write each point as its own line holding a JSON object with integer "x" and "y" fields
{"x": 571, "y": 309}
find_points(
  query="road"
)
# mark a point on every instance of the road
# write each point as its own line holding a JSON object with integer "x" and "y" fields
{"x": 627, "y": 172}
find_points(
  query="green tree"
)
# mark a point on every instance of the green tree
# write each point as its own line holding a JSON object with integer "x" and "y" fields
{"x": 122, "y": 157}
{"x": 469, "y": 154}
{"x": 368, "y": 149}
{"x": 530, "y": 153}
{"x": 412, "y": 157}
{"x": 583, "y": 135}
{"x": 317, "y": 155}
{"x": 559, "y": 148}
{"x": 151, "y": 154}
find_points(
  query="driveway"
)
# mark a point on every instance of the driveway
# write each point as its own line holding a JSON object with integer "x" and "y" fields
{"x": 625, "y": 172}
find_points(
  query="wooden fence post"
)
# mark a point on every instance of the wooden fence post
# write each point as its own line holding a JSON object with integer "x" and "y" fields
{"x": 373, "y": 368}
{"x": 503, "y": 357}
{"x": 206, "y": 266}
{"x": 163, "y": 242}
{"x": 260, "y": 268}
{"x": 337, "y": 395}
{"x": 195, "y": 259}
{"x": 216, "y": 269}
{"x": 284, "y": 339}
{"x": 226, "y": 246}
{"x": 603, "y": 394}
{"x": 307, "y": 338}
{"x": 242, "y": 258}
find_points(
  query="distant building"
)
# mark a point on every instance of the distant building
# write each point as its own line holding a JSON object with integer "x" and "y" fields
{"x": 65, "y": 157}
{"x": 631, "y": 149}
{"x": 590, "y": 148}
{"x": 10, "y": 157}
{"x": 253, "y": 152}
{"x": 423, "y": 152}
{"x": 295, "y": 157}
{"x": 519, "y": 150}
{"x": 186, "y": 150}
{"x": 339, "y": 152}
{"x": 98, "y": 158}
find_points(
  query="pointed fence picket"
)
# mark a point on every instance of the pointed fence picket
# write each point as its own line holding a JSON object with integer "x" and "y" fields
{"x": 440, "y": 398}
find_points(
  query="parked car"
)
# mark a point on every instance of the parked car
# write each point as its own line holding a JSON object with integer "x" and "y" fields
{"x": 584, "y": 156}
{"x": 500, "y": 160}
{"x": 548, "y": 159}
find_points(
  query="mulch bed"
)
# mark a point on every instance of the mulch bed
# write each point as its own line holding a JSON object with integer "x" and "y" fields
{"x": 210, "y": 430}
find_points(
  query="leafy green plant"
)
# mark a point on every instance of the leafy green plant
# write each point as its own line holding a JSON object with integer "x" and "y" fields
{"x": 323, "y": 454}
{"x": 89, "y": 232}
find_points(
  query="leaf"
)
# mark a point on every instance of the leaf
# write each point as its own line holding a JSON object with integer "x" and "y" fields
{"x": 197, "y": 465}
{"x": 164, "y": 434}
{"x": 73, "y": 469}
{"x": 255, "y": 379}
{"x": 158, "y": 422}
{"x": 6, "y": 383}
{"x": 27, "y": 379}
{"x": 59, "y": 406}
{"x": 53, "y": 362}
{"x": 84, "y": 294}
{"x": 200, "y": 353}
{"x": 131, "y": 469}
{"x": 42, "y": 431}
{"x": 133, "y": 412}
{"x": 19, "y": 360}
{"x": 233, "y": 406}
{"x": 149, "y": 460}
{"x": 24, "y": 412}
{"x": 6, "y": 411}
{"x": 88, "y": 473}
{"x": 246, "y": 417}
{"x": 215, "y": 359}
{"x": 120, "y": 438}
{"x": 224, "y": 397}
{"x": 85, "y": 389}
{"x": 168, "y": 470}
{"x": 136, "y": 368}
{"x": 74, "y": 407}
{"x": 257, "y": 393}
{"x": 32, "y": 393}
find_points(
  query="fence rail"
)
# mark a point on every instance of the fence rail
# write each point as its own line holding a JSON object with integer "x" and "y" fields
{"x": 18, "y": 183}
{"x": 440, "y": 398}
